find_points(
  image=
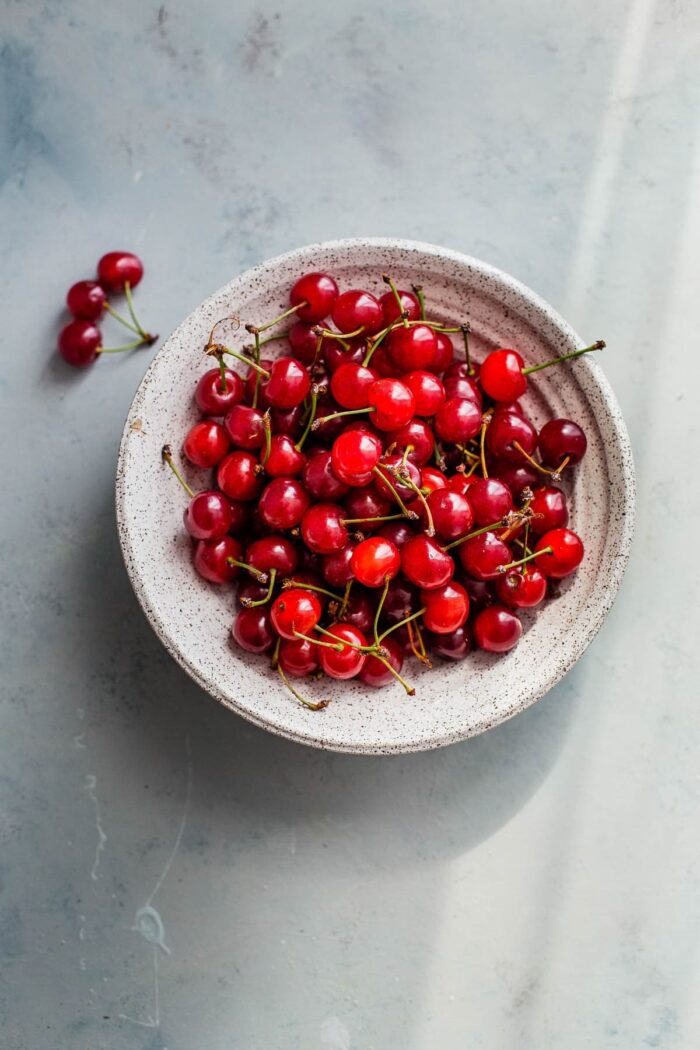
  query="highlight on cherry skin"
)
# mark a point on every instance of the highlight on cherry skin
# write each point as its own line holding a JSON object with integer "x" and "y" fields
{"x": 378, "y": 499}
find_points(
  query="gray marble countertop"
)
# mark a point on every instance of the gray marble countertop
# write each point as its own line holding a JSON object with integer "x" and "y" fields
{"x": 172, "y": 878}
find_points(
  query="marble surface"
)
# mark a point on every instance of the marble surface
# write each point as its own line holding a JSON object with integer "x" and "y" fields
{"x": 172, "y": 878}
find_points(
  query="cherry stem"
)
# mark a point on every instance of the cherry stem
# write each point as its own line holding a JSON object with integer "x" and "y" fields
{"x": 407, "y": 480}
{"x": 525, "y": 560}
{"x": 598, "y": 345}
{"x": 406, "y": 513}
{"x": 342, "y": 337}
{"x": 276, "y": 654}
{"x": 556, "y": 473}
{"x": 261, "y": 577}
{"x": 346, "y": 599}
{"x": 143, "y": 341}
{"x": 263, "y": 601}
{"x": 378, "y": 611}
{"x": 420, "y": 653}
{"x": 245, "y": 360}
{"x": 377, "y": 342}
{"x": 350, "y": 645}
{"x": 338, "y": 646}
{"x": 466, "y": 329}
{"x": 146, "y": 336}
{"x": 293, "y": 584}
{"x": 387, "y": 280}
{"x": 256, "y": 352}
{"x": 526, "y": 537}
{"x": 407, "y": 686}
{"x": 252, "y": 328}
{"x": 337, "y": 415}
{"x": 417, "y": 290}
{"x": 533, "y": 462}
{"x": 395, "y": 627}
{"x": 482, "y": 448}
{"x": 302, "y": 699}
{"x": 167, "y": 457}
{"x": 267, "y": 432}
{"x": 310, "y": 422}
{"x": 223, "y": 384}
{"x": 122, "y": 320}
{"x": 477, "y": 532}
{"x": 382, "y": 517}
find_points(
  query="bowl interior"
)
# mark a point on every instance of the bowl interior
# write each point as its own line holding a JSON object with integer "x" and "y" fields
{"x": 453, "y": 701}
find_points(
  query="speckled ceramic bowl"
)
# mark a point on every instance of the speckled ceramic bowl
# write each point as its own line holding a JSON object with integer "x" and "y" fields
{"x": 453, "y": 701}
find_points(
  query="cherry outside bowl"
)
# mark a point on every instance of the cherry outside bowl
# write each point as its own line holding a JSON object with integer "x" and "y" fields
{"x": 453, "y": 700}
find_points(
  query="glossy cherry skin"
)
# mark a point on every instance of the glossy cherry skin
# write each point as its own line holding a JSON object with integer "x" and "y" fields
{"x": 354, "y": 455}
{"x": 322, "y": 528}
{"x": 206, "y": 444}
{"x": 480, "y": 592}
{"x": 504, "y": 430}
{"x": 516, "y": 477}
{"x": 497, "y": 629}
{"x": 375, "y": 673}
{"x": 78, "y": 343}
{"x": 392, "y": 402}
{"x": 428, "y": 392}
{"x": 350, "y": 385}
{"x": 273, "y": 552}
{"x": 318, "y": 291}
{"x": 482, "y": 556}
{"x": 252, "y": 630}
{"x": 501, "y": 375}
{"x": 368, "y": 502}
{"x": 444, "y": 353}
{"x": 359, "y": 610}
{"x": 287, "y": 421}
{"x": 285, "y": 460}
{"x": 240, "y": 517}
{"x": 348, "y": 662}
{"x": 86, "y": 299}
{"x": 304, "y": 342}
{"x": 432, "y": 479}
{"x": 297, "y": 657}
{"x": 374, "y": 561}
{"x": 357, "y": 309}
{"x": 453, "y": 646}
{"x": 452, "y": 514}
{"x": 116, "y": 268}
{"x": 335, "y": 354}
{"x": 336, "y": 568}
{"x": 418, "y": 434}
{"x": 244, "y": 426}
{"x": 211, "y": 559}
{"x": 459, "y": 383}
{"x": 425, "y": 563}
{"x": 412, "y": 348}
{"x": 490, "y": 500}
{"x": 560, "y": 439}
{"x": 384, "y": 478}
{"x": 401, "y": 600}
{"x": 548, "y": 505}
{"x": 522, "y": 590}
{"x": 462, "y": 483}
{"x": 295, "y": 610}
{"x": 446, "y": 608}
{"x": 566, "y": 556}
{"x": 320, "y": 481}
{"x": 210, "y": 397}
{"x": 410, "y": 307}
{"x": 208, "y": 516}
{"x": 283, "y": 503}
{"x": 457, "y": 420}
{"x": 399, "y": 532}
{"x": 382, "y": 363}
{"x": 238, "y": 476}
{"x": 289, "y": 383}
{"x": 254, "y": 382}
{"x": 250, "y": 590}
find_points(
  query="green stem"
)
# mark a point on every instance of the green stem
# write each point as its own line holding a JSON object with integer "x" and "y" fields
{"x": 256, "y": 352}
{"x": 338, "y": 646}
{"x": 222, "y": 372}
{"x": 377, "y": 342}
{"x": 342, "y": 337}
{"x": 525, "y": 560}
{"x": 407, "y": 686}
{"x": 477, "y": 532}
{"x": 404, "y": 509}
{"x": 261, "y": 577}
{"x": 417, "y": 290}
{"x": 466, "y": 329}
{"x": 598, "y": 345}
{"x": 344, "y": 641}
{"x": 293, "y": 584}
{"x": 302, "y": 699}
{"x": 245, "y": 360}
{"x": 122, "y": 320}
{"x": 379, "y": 610}
{"x": 267, "y": 431}
{"x": 310, "y": 422}
{"x": 276, "y": 320}
{"x": 262, "y": 601}
{"x": 395, "y": 292}
{"x": 167, "y": 457}
{"x": 395, "y": 627}
{"x": 382, "y": 517}
{"x": 337, "y": 415}
{"x": 121, "y": 349}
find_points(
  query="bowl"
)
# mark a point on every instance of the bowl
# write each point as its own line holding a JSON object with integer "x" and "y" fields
{"x": 453, "y": 700}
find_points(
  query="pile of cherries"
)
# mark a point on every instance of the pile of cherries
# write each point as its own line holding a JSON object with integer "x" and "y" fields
{"x": 375, "y": 497}
{"x": 80, "y": 341}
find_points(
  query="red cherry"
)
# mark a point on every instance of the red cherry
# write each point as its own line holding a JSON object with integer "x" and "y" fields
{"x": 283, "y": 503}
{"x": 502, "y": 376}
{"x": 457, "y": 421}
{"x": 392, "y": 402}
{"x": 350, "y": 385}
{"x": 482, "y": 556}
{"x": 86, "y": 300}
{"x": 336, "y": 567}
{"x": 245, "y": 427}
{"x": 382, "y": 363}
{"x": 419, "y": 436}
{"x": 208, "y": 516}
{"x": 298, "y": 657}
{"x": 410, "y": 307}
{"x": 425, "y": 563}
{"x": 480, "y": 592}
{"x": 490, "y": 499}
{"x": 428, "y": 392}
{"x": 566, "y": 555}
{"x": 412, "y": 348}
{"x": 251, "y": 590}
{"x": 374, "y": 561}
{"x": 453, "y": 646}
{"x": 359, "y": 611}
{"x": 273, "y": 552}
{"x": 507, "y": 429}
{"x": 320, "y": 481}
{"x": 377, "y": 674}
{"x": 444, "y": 353}
{"x": 399, "y": 532}
{"x": 211, "y": 559}
{"x": 446, "y": 608}
{"x": 304, "y": 342}
{"x": 318, "y": 291}
{"x": 522, "y": 590}
{"x": 357, "y": 309}
{"x": 295, "y": 610}
{"x": 401, "y": 600}
{"x": 335, "y": 354}
{"x": 252, "y": 630}
{"x": 322, "y": 528}
{"x": 432, "y": 479}
{"x": 285, "y": 460}
{"x": 561, "y": 439}
{"x": 517, "y": 478}
{"x": 387, "y": 483}
{"x": 349, "y": 661}
{"x": 368, "y": 502}
{"x": 452, "y": 514}
{"x": 287, "y": 420}
{"x": 206, "y": 444}
{"x": 210, "y": 397}
{"x": 459, "y": 383}
{"x": 462, "y": 483}
{"x": 238, "y": 476}
{"x": 354, "y": 456}
{"x": 548, "y": 505}
{"x": 79, "y": 342}
{"x": 289, "y": 383}
{"x": 497, "y": 629}
{"x": 253, "y": 382}
{"x": 116, "y": 268}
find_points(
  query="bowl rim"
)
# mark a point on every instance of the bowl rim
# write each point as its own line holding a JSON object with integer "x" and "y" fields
{"x": 625, "y": 532}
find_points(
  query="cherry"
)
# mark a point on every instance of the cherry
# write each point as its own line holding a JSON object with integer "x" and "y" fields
{"x": 425, "y": 563}
{"x": 490, "y": 500}
{"x": 392, "y": 402}
{"x": 208, "y": 516}
{"x": 502, "y": 375}
{"x": 566, "y": 553}
{"x": 457, "y": 420}
{"x": 251, "y": 590}
{"x": 298, "y": 657}
{"x": 335, "y": 354}
{"x": 240, "y": 517}
{"x": 517, "y": 478}
{"x": 284, "y": 459}
{"x": 273, "y": 552}
{"x": 375, "y": 673}
{"x": 116, "y": 269}
{"x": 388, "y": 484}
{"x": 453, "y": 646}
{"x": 480, "y": 592}
{"x": 336, "y": 567}
{"x": 399, "y": 532}
{"x": 349, "y": 661}
{"x": 497, "y": 629}
{"x": 289, "y": 383}
{"x": 350, "y": 385}
{"x": 359, "y": 611}
{"x": 382, "y": 363}
{"x": 79, "y": 343}
{"x": 252, "y": 630}
{"x": 206, "y": 444}
{"x": 412, "y": 348}
{"x": 86, "y": 300}
{"x": 458, "y": 382}
{"x": 428, "y": 392}
{"x": 482, "y": 556}
{"x": 254, "y": 382}
{"x": 446, "y": 608}
{"x": 391, "y": 312}
{"x": 432, "y": 479}
{"x": 287, "y": 420}
{"x": 318, "y": 292}
{"x": 295, "y": 610}
{"x": 357, "y": 309}
{"x": 245, "y": 427}
{"x": 238, "y": 476}
{"x": 416, "y": 434}
{"x": 354, "y": 456}
{"x": 522, "y": 590}
{"x": 400, "y": 601}
{"x": 322, "y": 528}
{"x": 374, "y": 561}
{"x": 327, "y": 426}
{"x": 283, "y": 503}
{"x": 303, "y": 339}
{"x": 509, "y": 435}
{"x": 451, "y": 513}
{"x": 369, "y": 502}
{"x": 444, "y": 353}
{"x": 561, "y": 440}
{"x": 212, "y": 559}
{"x": 462, "y": 483}
{"x": 320, "y": 481}
{"x": 548, "y": 505}
{"x": 210, "y": 396}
